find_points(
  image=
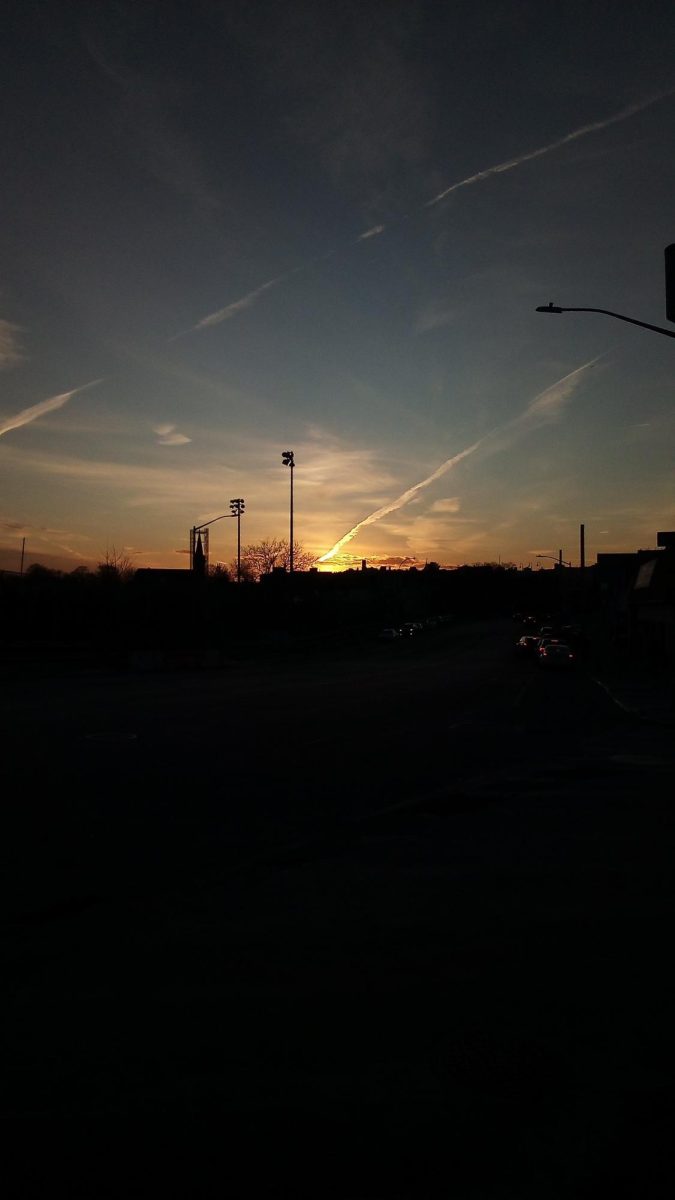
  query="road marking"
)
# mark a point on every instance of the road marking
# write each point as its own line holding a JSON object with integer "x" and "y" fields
{"x": 615, "y": 699}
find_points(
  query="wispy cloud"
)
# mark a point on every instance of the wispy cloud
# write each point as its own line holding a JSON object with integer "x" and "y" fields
{"x": 27, "y": 415}
{"x": 237, "y": 306}
{"x": 548, "y": 405}
{"x": 434, "y": 317}
{"x": 509, "y": 165}
{"x": 10, "y": 352}
{"x": 545, "y": 407}
{"x": 371, "y": 233}
{"x": 449, "y": 505}
{"x": 410, "y": 494}
{"x": 167, "y": 435}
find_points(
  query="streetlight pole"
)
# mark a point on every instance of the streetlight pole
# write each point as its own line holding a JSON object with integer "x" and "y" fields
{"x": 669, "y": 255}
{"x": 198, "y": 528}
{"x": 237, "y": 506}
{"x": 288, "y": 459}
{"x": 559, "y": 560}
{"x": 555, "y": 308}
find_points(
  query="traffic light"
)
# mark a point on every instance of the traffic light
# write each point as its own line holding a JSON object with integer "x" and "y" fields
{"x": 670, "y": 281}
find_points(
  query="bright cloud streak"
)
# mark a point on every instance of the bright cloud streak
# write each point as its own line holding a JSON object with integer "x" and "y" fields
{"x": 27, "y": 415}
{"x": 404, "y": 498}
{"x": 237, "y": 306}
{"x": 370, "y": 233}
{"x": 545, "y": 407}
{"x": 511, "y": 163}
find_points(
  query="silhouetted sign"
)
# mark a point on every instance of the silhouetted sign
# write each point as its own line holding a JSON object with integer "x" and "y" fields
{"x": 645, "y": 574}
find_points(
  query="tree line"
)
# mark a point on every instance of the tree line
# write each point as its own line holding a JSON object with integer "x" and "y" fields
{"x": 261, "y": 558}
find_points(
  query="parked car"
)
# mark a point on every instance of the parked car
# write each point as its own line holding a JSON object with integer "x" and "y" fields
{"x": 526, "y": 646}
{"x": 546, "y": 641}
{"x": 389, "y": 634}
{"x": 555, "y": 654}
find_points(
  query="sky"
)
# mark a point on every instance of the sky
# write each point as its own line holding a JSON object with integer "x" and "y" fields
{"x": 232, "y": 229}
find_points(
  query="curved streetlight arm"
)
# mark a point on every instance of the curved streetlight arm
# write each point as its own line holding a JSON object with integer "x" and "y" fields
{"x": 553, "y": 558}
{"x": 220, "y": 518}
{"x": 554, "y": 308}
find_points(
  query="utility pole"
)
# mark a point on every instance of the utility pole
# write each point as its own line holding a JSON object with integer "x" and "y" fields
{"x": 23, "y": 551}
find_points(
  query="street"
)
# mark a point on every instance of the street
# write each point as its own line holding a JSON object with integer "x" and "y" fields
{"x": 411, "y": 891}
{"x": 169, "y": 773}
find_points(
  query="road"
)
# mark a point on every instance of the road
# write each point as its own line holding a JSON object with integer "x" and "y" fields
{"x": 389, "y": 893}
{"x": 162, "y": 775}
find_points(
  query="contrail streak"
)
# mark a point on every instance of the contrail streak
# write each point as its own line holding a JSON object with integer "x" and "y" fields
{"x": 237, "y": 306}
{"x": 543, "y": 408}
{"x": 404, "y": 498}
{"x": 38, "y": 410}
{"x": 510, "y": 163}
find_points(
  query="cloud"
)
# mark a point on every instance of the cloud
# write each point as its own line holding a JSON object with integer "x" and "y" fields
{"x": 405, "y": 498}
{"x": 434, "y": 318}
{"x": 27, "y": 415}
{"x": 10, "y": 354}
{"x": 146, "y": 108}
{"x": 583, "y": 131}
{"x": 246, "y": 301}
{"x": 449, "y": 505}
{"x": 237, "y": 306}
{"x": 167, "y": 436}
{"x": 371, "y": 233}
{"x": 545, "y": 407}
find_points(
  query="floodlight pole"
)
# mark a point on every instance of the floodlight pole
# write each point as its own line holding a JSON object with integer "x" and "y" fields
{"x": 237, "y": 506}
{"x": 288, "y": 459}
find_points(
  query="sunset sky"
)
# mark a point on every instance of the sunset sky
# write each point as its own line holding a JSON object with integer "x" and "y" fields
{"x": 234, "y": 228}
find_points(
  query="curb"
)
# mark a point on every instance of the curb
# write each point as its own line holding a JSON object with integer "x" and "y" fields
{"x": 641, "y": 714}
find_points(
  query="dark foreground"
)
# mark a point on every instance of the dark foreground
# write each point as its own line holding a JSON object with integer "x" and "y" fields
{"x": 413, "y": 912}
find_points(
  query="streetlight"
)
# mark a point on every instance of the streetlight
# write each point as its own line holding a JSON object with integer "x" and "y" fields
{"x": 559, "y": 559}
{"x": 555, "y": 308}
{"x": 195, "y": 544}
{"x": 288, "y": 459}
{"x": 669, "y": 255}
{"x": 237, "y": 506}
